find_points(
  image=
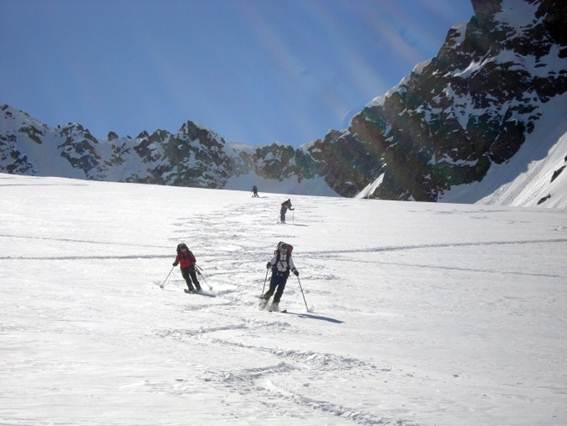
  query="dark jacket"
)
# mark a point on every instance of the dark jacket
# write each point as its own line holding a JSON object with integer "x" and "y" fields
{"x": 286, "y": 205}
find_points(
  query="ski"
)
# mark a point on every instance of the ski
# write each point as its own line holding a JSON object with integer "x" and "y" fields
{"x": 265, "y": 305}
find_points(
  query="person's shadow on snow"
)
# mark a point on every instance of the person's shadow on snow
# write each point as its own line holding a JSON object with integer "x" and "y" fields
{"x": 316, "y": 317}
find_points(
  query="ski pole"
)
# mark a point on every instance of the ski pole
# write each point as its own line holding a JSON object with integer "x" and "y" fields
{"x": 303, "y": 294}
{"x": 164, "y": 281}
{"x": 265, "y": 279}
{"x": 200, "y": 272}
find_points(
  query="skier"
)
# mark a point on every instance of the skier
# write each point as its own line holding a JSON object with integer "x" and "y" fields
{"x": 255, "y": 191}
{"x": 187, "y": 262}
{"x": 285, "y": 205}
{"x": 281, "y": 264}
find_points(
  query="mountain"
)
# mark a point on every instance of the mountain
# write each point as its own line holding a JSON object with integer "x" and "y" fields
{"x": 458, "y": 128}
{"x": 472, "y": 107}
{"x": 193, "y": 156}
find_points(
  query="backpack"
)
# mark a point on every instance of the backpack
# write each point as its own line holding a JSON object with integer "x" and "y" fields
{"x": 287, "y": 246}
{"x": 289, "y": 249}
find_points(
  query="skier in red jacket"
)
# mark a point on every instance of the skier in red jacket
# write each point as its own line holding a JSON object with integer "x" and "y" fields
{"x": 187, "y": 265}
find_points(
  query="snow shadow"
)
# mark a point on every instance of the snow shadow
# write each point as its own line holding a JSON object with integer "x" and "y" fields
{"x": 315, "y": 317}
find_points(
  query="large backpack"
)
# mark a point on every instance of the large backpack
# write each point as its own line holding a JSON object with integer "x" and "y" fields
{"x": 288, "y": 247}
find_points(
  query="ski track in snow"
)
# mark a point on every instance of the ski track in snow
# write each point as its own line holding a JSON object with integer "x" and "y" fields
{"x": 71, "y": 240}
{"x": 261, "y": 254}
{"x": 443, "y": 245}
{"x": 259, "y": 381}
{"x": 452, "y": 268}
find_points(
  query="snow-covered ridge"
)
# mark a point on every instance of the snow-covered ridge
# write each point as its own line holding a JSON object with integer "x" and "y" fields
{"x": 193, "y": 156}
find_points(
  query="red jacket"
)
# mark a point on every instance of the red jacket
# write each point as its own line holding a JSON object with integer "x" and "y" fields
{"x": 186, "y": 259}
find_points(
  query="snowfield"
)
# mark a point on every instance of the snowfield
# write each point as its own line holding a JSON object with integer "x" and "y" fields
{"x": 421, "y": 313}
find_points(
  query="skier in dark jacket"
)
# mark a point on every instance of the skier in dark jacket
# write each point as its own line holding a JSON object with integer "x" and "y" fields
{"x": 281, "y": 264}
{"x": 187, "y": 261}
{"x": 285, "y": 206}
{"x": 255, "y": 192}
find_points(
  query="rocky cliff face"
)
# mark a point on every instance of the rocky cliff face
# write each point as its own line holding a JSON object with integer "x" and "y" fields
{"x": 454, "y": 117}
{"x": 472, "y": 105}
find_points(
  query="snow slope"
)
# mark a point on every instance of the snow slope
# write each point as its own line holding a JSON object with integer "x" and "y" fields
{"x": 370, "y": 188}
{"x": 520, "y": 173}
{"x": 544, "y": 183}
{"x": 421, "y": 313}
{"x": 291, "y": 185}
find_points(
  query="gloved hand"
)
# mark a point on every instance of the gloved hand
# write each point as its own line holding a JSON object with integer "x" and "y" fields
{"x": 296, "y": 272}
{"x": 174, "y": 264}
{"x": 268, "y": 265}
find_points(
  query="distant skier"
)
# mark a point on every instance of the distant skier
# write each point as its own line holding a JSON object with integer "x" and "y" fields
{"x": 187, "y": 262}
{"x": 281, "y": 264}
{"x": 255, "y": 191}
{"x": 285, "y": 206}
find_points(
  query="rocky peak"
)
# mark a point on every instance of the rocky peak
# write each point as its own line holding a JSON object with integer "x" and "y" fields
{"x": 486, "y": 9}
{"x": 192, "y": 131}
{"x": 160, "y": 135}
{"x": 111, "y": 136}
{"x": 143, "y": 135}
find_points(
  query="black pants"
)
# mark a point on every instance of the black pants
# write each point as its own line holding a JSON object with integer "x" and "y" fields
{"x": 189, "y": 274}
{"x": 277, "y": 284}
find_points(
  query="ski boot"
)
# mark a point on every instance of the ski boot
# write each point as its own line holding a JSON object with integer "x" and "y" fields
{"x": 263, "y": 303}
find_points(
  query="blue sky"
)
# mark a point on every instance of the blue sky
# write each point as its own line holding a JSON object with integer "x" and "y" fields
{"x": 255, "y": 71}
